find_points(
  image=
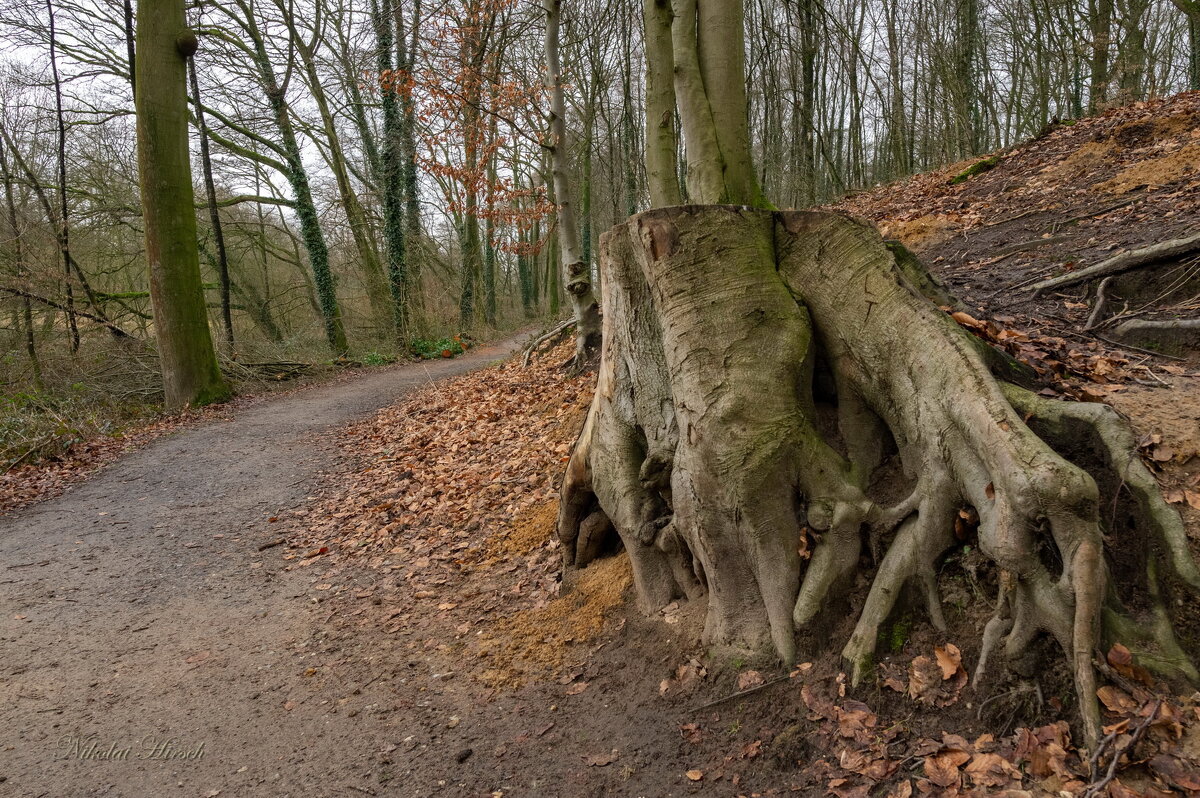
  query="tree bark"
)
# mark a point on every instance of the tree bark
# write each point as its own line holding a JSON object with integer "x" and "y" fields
{"x": 297, "y": 176}
{"x": 386, "y": 314}
{"x": 575, "y": 268}
{"x": 1100, "y": 20}
{"x": 661, "y": 141}
{"x": 188, "y": 360}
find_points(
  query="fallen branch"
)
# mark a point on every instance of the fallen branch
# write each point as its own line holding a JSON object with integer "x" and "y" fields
{"x": 114, "y": 329}
{"x": 1126, "y": 261}
{"x": 548, "y": 339}
{"x": 1013, "y": 249}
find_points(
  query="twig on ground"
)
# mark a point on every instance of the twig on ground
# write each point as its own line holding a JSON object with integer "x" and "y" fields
{"x": 741, "y": 693}
{"x": 1097, "y": 314}
{"x": 1098, "y": 787}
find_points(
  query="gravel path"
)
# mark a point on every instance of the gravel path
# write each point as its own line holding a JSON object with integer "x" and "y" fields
{"x": 148, "y": 648}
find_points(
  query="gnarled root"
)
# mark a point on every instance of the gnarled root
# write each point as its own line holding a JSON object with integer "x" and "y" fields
{"x": 708, "y": 450}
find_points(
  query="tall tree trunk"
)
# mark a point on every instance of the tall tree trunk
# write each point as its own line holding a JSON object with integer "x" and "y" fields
{"x": 22, "y": 271}
{"x": 1191, "y": 10}
{"x": 297, "y": 177}
{"x": 970, "y": 52}
{"x": 130, "y": 52}
{"x": 64, "y": 224}
{"x": 406, "y": 55}
{"x": 386, "y": 314}
{"x": 662, "y": 142}
{"x": 575, "y": 269}
{"x": 1131, "y": 54}
{"x": 214, "y": 215}
{"x": 489, "y": 231}
{"x": 391, "y": 158}
{"x": 185, "y": 347}
{"x": 1100, "y": 22}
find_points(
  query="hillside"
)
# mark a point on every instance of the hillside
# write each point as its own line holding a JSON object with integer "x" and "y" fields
{"x": 1075, "y": 196}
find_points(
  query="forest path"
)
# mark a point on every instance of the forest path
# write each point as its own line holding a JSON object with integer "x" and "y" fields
{"x": 139, "y": 620}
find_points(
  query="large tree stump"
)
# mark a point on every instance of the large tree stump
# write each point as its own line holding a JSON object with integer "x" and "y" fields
{"x": 705, "y": 449}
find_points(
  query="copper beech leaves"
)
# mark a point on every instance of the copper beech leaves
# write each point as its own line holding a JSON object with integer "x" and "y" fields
{"x": 937, "y": 681}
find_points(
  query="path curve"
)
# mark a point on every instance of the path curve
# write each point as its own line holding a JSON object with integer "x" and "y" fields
{"x": 139, "y": 621}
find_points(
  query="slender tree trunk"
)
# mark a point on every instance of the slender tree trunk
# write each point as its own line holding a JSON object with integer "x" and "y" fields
{"x": 188, "y": 360}
{"x": 130, "y": 52}
{"x": 662, "y": 142}
{"x": 214, "y": 216}
{"x": 1131, "y": 54}
{"x": 64, "y": 224}
{"x": 386, "y": 314}
{"x": 406, "y": 55}
{"x": 575, "y": 269}
{"x": 489, "y": 231}
{"x": 469, "y": 235}
{"x": 1191, "y": 10}
{"x": 391, "y": 162}
{"x": 970, "y": 48}
{"x": 22, "y": 272}
{"x": 1101, "y": 24}
{"x": 297, "y": 176}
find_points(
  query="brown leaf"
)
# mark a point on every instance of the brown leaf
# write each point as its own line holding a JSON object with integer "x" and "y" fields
{"x": 1193, "y": 498}
{"x": 748, "y": 679}
{"x": 1162, "y": 453}
{"x": 601, "y": 760}
{"x": 942, "y": 768}
{"x": 751, "y": 750}
{"x": 949, "y": 659}
{"x": 577, "y": 688}
{"x": 923, "y": 676}
{"x": 855, "y": 720}
{"x": 695, "y": 775}
{"x": 1182, "y": 776}
{"x": 1116, "y": 700}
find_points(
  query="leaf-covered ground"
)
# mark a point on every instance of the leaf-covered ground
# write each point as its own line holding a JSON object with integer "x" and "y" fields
{"x": 437, "y": 534}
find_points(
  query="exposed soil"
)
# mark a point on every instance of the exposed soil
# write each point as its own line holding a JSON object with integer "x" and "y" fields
{"x": 1071, "y": 198}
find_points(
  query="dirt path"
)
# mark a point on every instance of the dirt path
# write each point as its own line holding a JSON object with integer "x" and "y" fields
{"x": 140, "y": 623}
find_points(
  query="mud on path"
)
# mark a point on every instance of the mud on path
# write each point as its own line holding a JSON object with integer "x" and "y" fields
{"x": 140, "y": 623}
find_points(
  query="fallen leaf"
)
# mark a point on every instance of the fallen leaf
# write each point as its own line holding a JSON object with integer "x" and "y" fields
{"x": 577, "y": 688}
{"x": 600, "y": 760}
{"x": 949, "y": 659}
{"x": 695, "y": 775}
{"x": 748, "y": 679}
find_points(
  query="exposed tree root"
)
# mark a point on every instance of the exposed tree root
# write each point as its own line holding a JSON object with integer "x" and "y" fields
{"x": 707, "y": 449}
{"x": 1126, "y": 261}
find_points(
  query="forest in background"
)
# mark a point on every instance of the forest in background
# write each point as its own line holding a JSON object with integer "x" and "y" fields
{"x": 373, "y": 177}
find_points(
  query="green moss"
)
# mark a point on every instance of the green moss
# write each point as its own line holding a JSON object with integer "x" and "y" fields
{"x": 898, "y": 635}
{"x": 216, "y": 392}
{"x": 977, "y": 168}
